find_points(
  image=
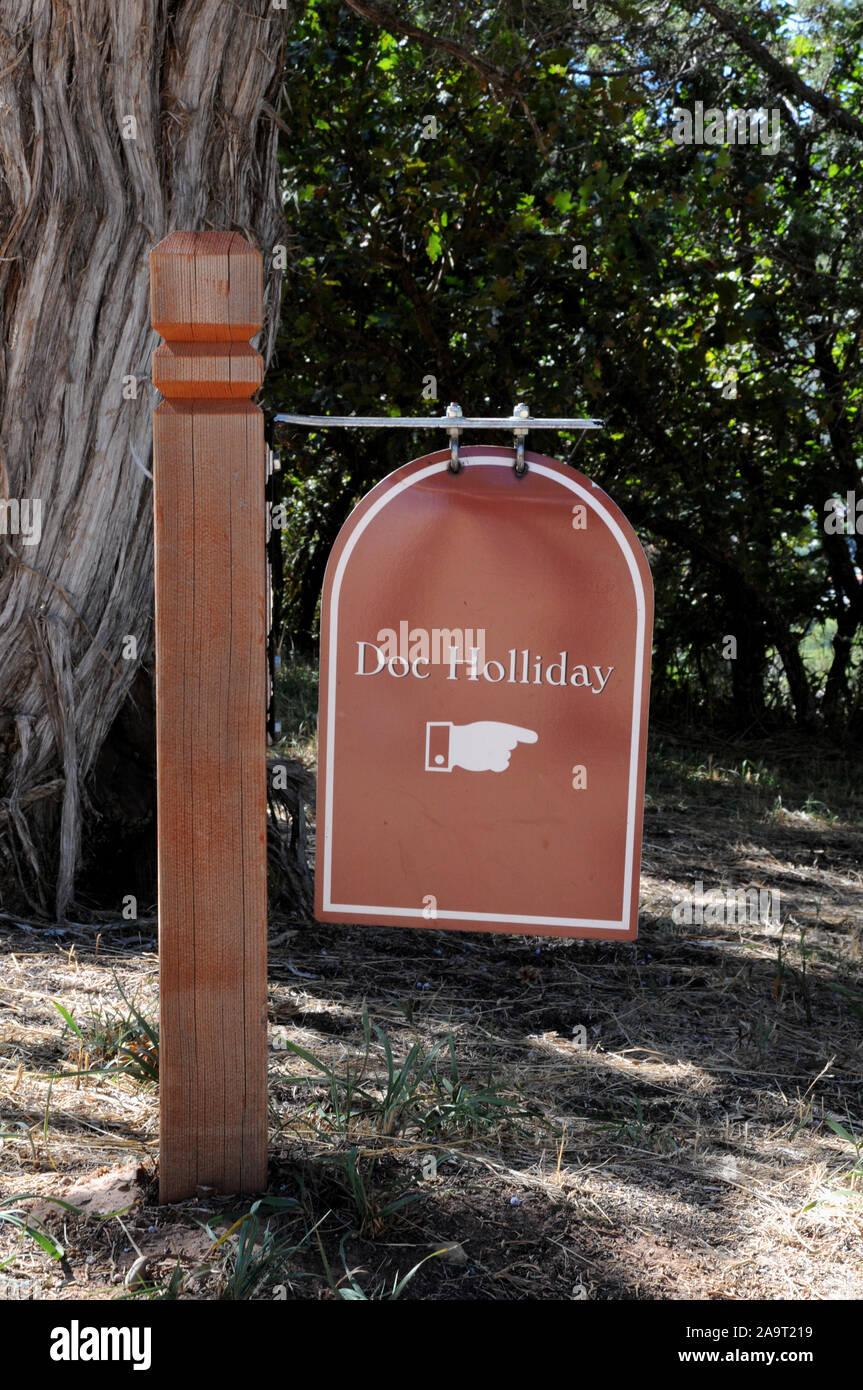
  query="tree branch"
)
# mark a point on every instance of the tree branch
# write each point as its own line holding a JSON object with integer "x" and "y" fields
{"x": 785, "y": 78}
{"x": 385, "y": 18}
{"x": 274, "y": 116}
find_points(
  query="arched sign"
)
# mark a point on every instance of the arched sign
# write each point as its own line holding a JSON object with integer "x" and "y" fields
{"x": 485, "y": 662}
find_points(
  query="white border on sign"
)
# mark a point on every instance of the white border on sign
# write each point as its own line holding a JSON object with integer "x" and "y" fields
{"x": 378, "y": 911}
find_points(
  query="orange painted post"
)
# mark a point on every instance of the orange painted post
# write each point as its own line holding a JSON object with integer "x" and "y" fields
{"x": 209, "y": 475}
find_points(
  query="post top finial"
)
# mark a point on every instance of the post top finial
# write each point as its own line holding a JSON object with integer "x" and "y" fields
{"x": 206, "y": 287}
{"x": 206, "y": 301}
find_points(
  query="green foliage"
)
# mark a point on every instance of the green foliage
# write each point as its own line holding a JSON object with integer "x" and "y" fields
{"x": 253, "y": 1255}
{"x": 11, "y": 1214}
{"x": 125, "y": 1038}
{"x": 458, "y": 1107}
{"x": 248, "y": 1261}
{"x": 716, "y": 326}
{"x": 374, "y": 1206}
{"x": 855, "y": 1141}
{"x": 418, "y": 1093}
{"x": 349, "y": 1290}
{"x": 297, "y": 701}
{"x": 424, "y": 1096}
{"x": 848, "y": 1191}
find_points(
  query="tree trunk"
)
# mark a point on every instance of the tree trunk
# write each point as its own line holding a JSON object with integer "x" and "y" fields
{"x": 836, "y": 688}
{"x": 121, "y": 122}
{"x": 748, "y": 666}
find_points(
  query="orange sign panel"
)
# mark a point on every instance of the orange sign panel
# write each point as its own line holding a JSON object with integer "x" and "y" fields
{"x": 485, "y": 661}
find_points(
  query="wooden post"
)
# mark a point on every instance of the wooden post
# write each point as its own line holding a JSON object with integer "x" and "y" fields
{"x": 210, "y": 560}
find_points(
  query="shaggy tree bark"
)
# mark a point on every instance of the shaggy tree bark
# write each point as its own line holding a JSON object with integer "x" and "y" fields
{"x": 120, "y": 122}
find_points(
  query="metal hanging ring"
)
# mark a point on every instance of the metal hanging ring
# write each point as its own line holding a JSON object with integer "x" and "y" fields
{"x": 520, "y": 412}
{"x": 455, "y": 464}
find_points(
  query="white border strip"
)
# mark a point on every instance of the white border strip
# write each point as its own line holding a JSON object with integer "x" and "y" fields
{"x": 370, "y": 911}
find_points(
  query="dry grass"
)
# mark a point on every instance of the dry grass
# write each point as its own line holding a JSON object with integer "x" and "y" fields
{"x": 685, "y": 1151}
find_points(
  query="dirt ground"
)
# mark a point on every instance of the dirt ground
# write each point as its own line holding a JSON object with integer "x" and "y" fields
{"x": 681, "y": 1112}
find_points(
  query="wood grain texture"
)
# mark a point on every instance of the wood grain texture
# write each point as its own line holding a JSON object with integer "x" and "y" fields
{"x": 194, "y": 371}
{"x": 206, "y": 287}
{"x": 208, "y": 464}
{"x": 81, "y": 208}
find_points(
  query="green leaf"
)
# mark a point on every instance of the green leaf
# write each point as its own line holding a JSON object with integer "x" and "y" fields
{"x": 843, "y": 1133}
{"x": 68, "y": 1019}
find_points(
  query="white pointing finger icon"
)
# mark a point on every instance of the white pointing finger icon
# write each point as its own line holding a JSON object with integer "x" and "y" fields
{"x": 519, "y": 735}
{"x": 483, "y": 746}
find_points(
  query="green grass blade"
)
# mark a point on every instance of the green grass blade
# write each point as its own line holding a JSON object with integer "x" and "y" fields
{"x": 67, "y": 1018}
